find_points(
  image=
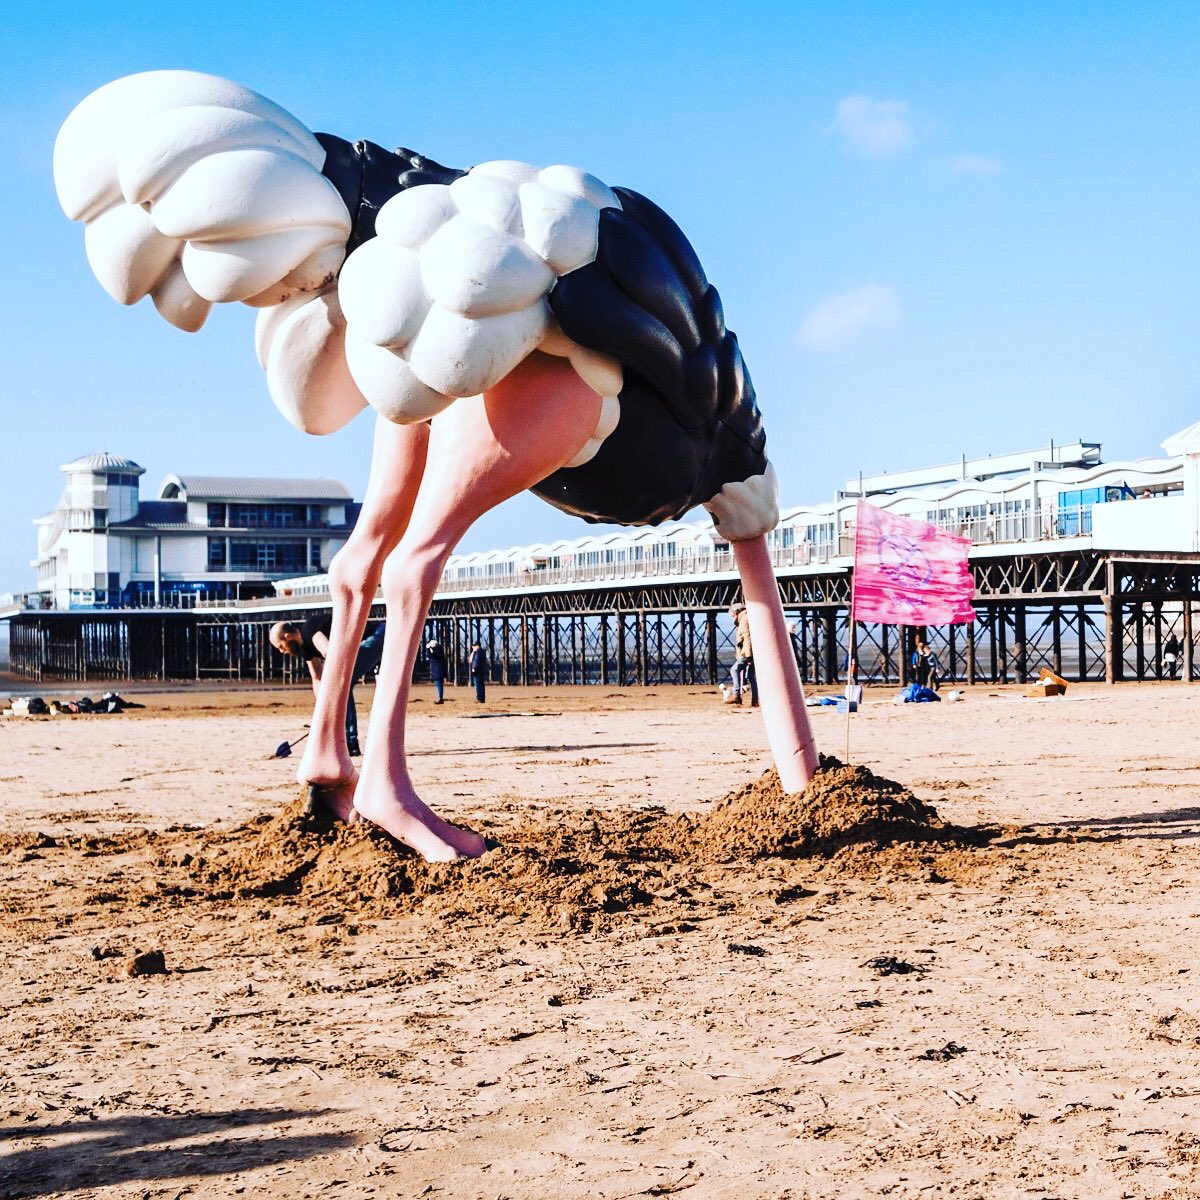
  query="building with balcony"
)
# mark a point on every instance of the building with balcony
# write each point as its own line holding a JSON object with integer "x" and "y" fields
{"x": 205, "y": 536}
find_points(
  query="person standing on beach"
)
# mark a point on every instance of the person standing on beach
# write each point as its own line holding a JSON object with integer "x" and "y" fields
{"x": 927, "y": 670}
{"x": 478, "y": 666}
{"x": 743, "y": 662}
{"x": 309, "y": 640}
{"x": 1170, "y": 656}
{"x": 437, "y": 668}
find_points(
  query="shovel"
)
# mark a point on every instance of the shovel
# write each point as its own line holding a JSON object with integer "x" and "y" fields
{"x": 284, "y": 749}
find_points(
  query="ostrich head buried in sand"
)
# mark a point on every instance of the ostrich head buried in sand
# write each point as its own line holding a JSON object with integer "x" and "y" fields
{"x": 513, "y": 327}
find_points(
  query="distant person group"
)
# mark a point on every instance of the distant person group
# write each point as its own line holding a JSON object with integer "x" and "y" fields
{"x": 477, "y": 667}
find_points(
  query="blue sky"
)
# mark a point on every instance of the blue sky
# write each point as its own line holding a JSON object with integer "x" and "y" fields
{"x": 937, "y": 228}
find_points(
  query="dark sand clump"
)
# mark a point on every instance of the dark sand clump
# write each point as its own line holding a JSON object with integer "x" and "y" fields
{"x": 563, "y": 867}
{"x": 843, "y": 806}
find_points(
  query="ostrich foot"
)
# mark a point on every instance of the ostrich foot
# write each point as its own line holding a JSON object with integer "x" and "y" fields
{"x": 336, "y": 799}
{"x": 327, "y": 766}
{"x": 402, "y": 813}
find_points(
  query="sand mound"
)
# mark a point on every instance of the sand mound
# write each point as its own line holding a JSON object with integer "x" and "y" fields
{"x": 562, "y": 867}
{"x": 566, "y": 869}
{"x": 843, "y": 806}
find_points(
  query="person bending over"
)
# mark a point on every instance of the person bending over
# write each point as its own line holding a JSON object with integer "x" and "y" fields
{"x": 309, "y": 640}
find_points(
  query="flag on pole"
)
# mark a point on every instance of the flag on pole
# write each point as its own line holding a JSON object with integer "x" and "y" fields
{"x": 907, "y": 572}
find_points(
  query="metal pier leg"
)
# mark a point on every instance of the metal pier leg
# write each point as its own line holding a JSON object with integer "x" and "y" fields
{"x": 1188, "y": 649}
{"x": 710, "y": 631}
{"x": 1112, "y": 626}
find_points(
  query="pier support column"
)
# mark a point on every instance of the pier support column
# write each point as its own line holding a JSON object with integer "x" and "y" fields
{"x": 710, "y": 634}
{"x": 829, "y": 618}
{"x": 1112, "y": 626}
{"x": 1056, "y": 638}
{"x": 1021, "y": 633}
{"x": 1083, "y": 662}
{"x": 1188, "y": 648}
{"x": 643, "y": 676}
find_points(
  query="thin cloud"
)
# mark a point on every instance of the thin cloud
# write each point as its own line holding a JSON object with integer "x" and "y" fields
{"x": 874, "y": 128}
{"x": 841, "y": 319}
{"x": 975, "y": 164}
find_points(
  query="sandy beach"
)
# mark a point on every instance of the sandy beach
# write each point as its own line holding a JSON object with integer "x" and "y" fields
{"x": 1001, "y": 1001}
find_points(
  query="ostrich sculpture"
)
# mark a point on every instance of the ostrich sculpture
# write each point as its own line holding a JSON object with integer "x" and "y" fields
{"x": 513, "y": 327}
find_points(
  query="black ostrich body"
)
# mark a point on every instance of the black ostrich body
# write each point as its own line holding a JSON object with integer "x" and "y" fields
{"x": 689, "y": 420}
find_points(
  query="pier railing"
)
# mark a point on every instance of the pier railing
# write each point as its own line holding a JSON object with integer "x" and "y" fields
{"x": 1047, "y": 523}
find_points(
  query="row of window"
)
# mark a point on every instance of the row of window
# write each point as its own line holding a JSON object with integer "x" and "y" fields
{"x": 90, "y": 580}
{"x": 242, "y": 554}
{"x": 266, "y": 516}
{"x": 785, "y": 537}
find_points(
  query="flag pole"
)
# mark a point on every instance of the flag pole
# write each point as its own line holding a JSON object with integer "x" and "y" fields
{"x": 851, "y": 675}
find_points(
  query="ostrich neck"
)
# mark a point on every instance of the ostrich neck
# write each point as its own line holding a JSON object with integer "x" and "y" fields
{"x": 367, "y": 176}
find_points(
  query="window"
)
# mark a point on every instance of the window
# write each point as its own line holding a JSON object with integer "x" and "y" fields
{"x": 216, "y": 516}
{"x": 216, "y": 554}
{"x": 274, "y": 516}
{"x": 283, "y": 557}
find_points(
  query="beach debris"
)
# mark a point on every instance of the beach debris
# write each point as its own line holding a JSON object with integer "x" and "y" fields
{"x": 1048, "y": 684}
{"x": 38, "y": 706}
{"x": 150, "y": 962}
{"x": 745, "y": 948}
{"x": 886, "y": 965}
{"x": 944, "y": 1053}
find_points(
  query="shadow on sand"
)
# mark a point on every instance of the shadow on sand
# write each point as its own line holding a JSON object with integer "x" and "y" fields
{"x": 558, "y": 749}
{"x": 1173, "y": 824}
{"x": 116, "y": 1150}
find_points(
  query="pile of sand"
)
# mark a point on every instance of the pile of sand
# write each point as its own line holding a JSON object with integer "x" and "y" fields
{"x": 842, "y": 806}
{"x": 566, "y": 868}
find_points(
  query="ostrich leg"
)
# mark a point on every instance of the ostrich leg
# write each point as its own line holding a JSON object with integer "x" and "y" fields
{"x": 780, "y": 692}
{"x": 481, "y": 451}
{"x": 397, "y": 463}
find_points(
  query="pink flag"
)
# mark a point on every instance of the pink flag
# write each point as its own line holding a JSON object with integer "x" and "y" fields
{"x": 909, "y": 573}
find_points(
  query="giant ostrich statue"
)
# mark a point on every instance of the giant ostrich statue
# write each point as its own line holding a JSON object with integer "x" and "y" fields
{"x": 513, "y": 328}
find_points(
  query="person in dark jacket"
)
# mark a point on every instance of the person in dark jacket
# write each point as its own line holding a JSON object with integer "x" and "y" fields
{"x": 309, "y": 640}
{"x": 437, "y": 668}
{"x": 926, "y": 668}
{"x": 478, "y": 666}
